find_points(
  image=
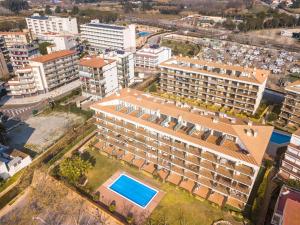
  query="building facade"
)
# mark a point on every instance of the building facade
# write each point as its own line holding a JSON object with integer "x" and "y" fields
{"x": 59, "y": 41}
{"x": 231, "y": 87}
{"x": 213, "y": 157}
{"x": 45, "y": 73}
{"x": 16, "y": 38}
{"x": 290, "y": 165}
{"x": 38, "y": 24}
{"x": 152, "y": 56}
{"x": 125, "y": 66}
{"x": 98, "y": 77}
{"x": 20, "y": 54}
{"x": 4, "y": 51}
{"x": 102, "y": 36}
{"x": 290, "y": 111}
{"x": 4, "y": 73}
{"x": 287, "y": 207}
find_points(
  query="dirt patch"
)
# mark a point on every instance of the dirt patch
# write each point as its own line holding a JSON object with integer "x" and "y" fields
{"x": 38, "y": 133}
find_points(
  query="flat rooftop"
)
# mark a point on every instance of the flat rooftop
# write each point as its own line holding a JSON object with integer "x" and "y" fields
{"x": 238, "y": 73}
{"x": 238, "y": 138}
{"x": 294, "y": 87}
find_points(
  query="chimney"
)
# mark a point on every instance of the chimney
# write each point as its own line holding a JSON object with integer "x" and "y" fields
{"x": 233, "y": 120}
{"x": 215, "y": 119}
{"x": 248, "y": 132}
{"x": 255, "y": 133}
{"x": 250, "y": 123}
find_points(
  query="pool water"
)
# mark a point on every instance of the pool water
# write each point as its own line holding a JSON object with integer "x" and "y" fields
{"x": 279, "y": 138}
{"x": 144, "y": 33}
{"x": 133, "y": 190}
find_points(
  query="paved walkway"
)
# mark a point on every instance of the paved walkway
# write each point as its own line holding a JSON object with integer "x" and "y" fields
{"x": 7, "y": 100}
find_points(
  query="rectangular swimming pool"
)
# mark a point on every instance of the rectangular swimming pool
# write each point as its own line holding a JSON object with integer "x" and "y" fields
{"x": 133, "y": 190}
{"x": 279, "y": 138}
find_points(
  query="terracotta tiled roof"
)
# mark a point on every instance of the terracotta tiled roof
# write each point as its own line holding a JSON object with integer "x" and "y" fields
{"x": 297, "y": 132}
{"x": 255, "y": 145}
{"x": 294, "y": 87}
{"x": 53, "y": 56}
{"x": 291, "y": 211}
{"x": 94, "y": 62}
{"x": 256, "y": 75}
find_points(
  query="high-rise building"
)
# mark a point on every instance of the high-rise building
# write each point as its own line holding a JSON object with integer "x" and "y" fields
{"x": 152, "y": 56}
{"x": 290, "y": 165}
{"x": 290, "y": 111}
{"x": 102, "y": 36}
{"x": 231, "y": 87}
{"x": 125, "y": 66}
{"x": 45, "y": 73}
{"x": 38, "y": 24}
{"x": 215, "y": 157}
{"x": 98, "y": 77}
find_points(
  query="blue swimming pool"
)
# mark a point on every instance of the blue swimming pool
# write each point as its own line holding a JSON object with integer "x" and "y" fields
{"x": 133, "y": 190}
{"x": 279, "y": 138}
{"x": 144, "y": 33}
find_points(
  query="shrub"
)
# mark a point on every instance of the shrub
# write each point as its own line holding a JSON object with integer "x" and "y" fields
{"x": 112, "y": 206}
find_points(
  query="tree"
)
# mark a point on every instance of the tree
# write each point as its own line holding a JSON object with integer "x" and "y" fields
{"x": 57, "y": 9}
{"x": 15, "y": 5}
{"x": 43, "y": 47}
{"x": 75, "y": 10}
{"x": 48, "y": 10}
{"x": 73, "y": 168}
{"x": 153, "y": 88}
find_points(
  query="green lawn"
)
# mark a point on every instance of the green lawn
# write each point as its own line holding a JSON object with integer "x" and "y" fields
{"x": 177, "y": 207}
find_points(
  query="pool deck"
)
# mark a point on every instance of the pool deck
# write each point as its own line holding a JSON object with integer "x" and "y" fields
{"x": 123, "y": 205}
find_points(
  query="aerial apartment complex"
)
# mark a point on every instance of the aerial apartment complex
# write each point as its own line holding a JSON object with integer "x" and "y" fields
{"x": 38, "y": 24}
{"x": 102, "y": 36}
{"x": 214, "y": 157}
{"x": 152, "y": 56}
{"x": 290, "y": 111}
{"x": 233, "y": 87}
{"x": 290, "y": 165}
{"x": 45, "y": 73}
{"x": 98, "y": 77}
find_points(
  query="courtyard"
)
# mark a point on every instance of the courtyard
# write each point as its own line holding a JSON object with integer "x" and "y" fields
{"x": 176, "y": 207}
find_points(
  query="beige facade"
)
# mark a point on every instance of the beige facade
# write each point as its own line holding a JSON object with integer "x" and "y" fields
{"x": 232, "y": 87}
{"x": 215, "y": 158}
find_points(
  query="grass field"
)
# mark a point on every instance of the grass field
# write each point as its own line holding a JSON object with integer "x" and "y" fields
{"x": 177, "y": 207}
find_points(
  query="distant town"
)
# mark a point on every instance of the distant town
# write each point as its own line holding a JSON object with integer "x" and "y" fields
{"x": 152, "y": 112}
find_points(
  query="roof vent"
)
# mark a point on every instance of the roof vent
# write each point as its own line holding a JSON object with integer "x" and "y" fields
{"x": 250, "y": 123}
{"x": 215, "y": 119}
{"x": 233, "y": 120}
{"x": 255, "y": 133}
{"x": 117, "y": 93}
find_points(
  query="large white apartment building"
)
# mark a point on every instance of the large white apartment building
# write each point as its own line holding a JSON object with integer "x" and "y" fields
{"x": 151, "y": 57}
{"x": 102, "y": 36}
{"x": 215, "y": 157}
{"x": 38, "y": 24}
{"x": 125, "y": 66}
{"x": 45, "y": 73}
{"x": 231, "y": 87}
{"x": 98, "y": 77}
{"x": 59, "y": 41}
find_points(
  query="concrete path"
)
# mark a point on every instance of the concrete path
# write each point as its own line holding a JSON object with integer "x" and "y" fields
{"x": 7, "y": 100}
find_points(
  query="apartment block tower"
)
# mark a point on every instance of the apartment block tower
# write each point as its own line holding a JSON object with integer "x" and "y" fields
{"x": 290, "y": 111}
{"x": 125, "y": 66}
{"x": 38, "y": 24}
{"x": 102, "y": 36}
{"x": 16, "y": 38}
{"x": 45, "y": 73}
{"x": 98, "y": 77}
{"x": 232, "y": 87}
{"x": 290, "y": 165}
{"x": 214, "y": 157}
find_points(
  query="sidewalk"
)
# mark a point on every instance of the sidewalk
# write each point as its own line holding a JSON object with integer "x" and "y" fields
{"x": 7, "y": 100}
